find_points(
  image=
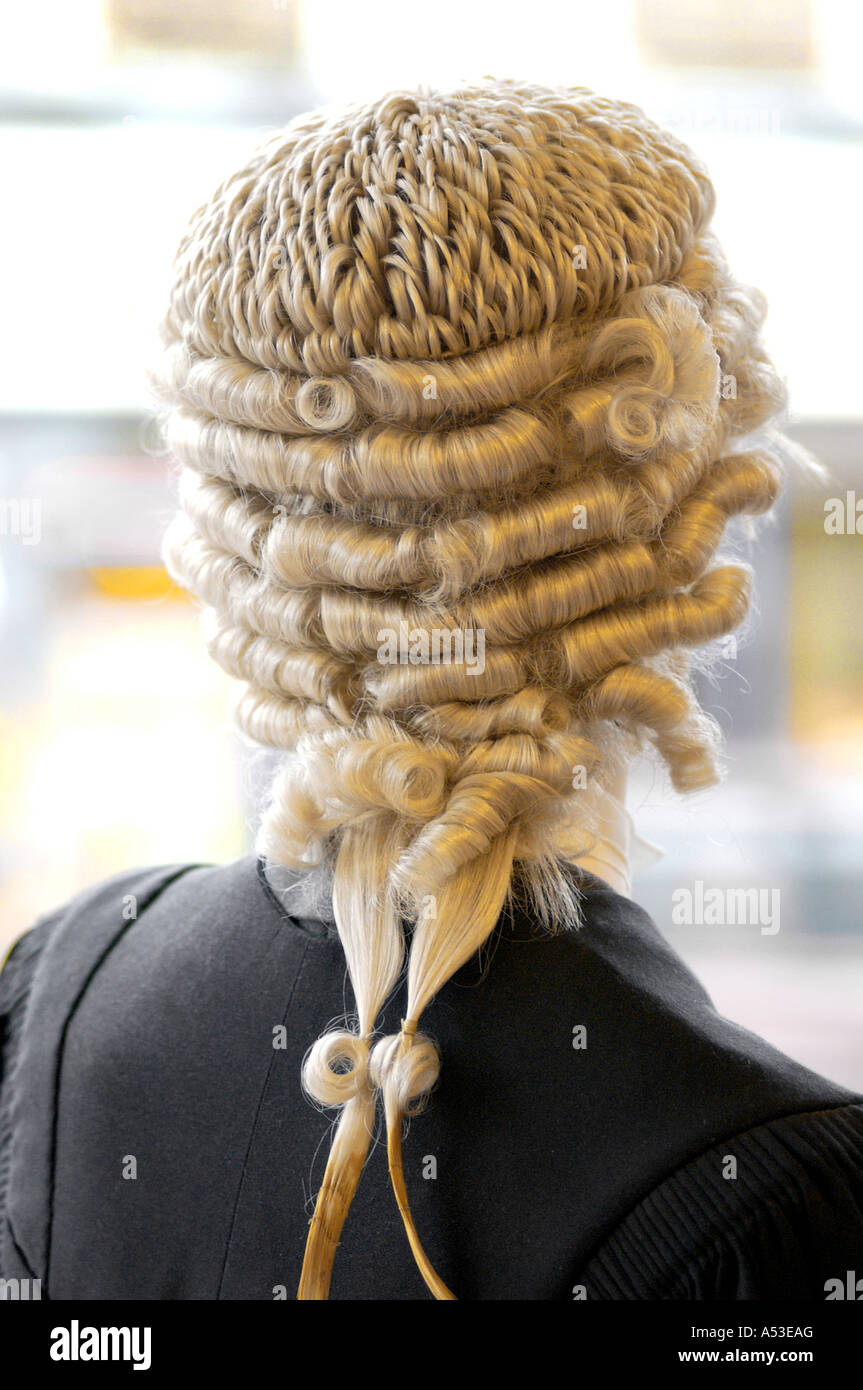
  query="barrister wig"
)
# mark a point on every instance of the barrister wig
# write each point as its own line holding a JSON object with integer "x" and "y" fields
{"x": 456, "y": 375}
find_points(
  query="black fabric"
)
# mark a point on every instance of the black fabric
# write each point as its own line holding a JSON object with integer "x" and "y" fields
{"x": 139, "y": 1024}
{"x": 784, "y": 1220}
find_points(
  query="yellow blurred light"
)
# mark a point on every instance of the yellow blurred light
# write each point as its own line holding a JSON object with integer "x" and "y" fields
{"x": 135, "y": 581}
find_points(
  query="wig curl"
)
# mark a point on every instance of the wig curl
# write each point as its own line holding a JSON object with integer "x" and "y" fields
{"x": 457, "y": 364}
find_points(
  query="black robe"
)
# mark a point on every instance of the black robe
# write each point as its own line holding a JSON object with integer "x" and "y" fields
{"x": 599, "y": 1131}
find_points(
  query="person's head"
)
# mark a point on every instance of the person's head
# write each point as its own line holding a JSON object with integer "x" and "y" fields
{"x": 464, "y": 395}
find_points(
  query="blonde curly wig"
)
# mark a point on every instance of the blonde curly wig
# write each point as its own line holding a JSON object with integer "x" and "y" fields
{"x": 469, "y": 364}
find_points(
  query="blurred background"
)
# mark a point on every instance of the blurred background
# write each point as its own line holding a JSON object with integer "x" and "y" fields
{"x": 117, "y": 119}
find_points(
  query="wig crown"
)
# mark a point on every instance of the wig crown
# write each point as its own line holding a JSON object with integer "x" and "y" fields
{"x": 430, "y": 224}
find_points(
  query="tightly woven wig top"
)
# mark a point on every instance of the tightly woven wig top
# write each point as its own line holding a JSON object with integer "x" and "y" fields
{"x": 469, "y": 364}
{"x": 420, "y": 227}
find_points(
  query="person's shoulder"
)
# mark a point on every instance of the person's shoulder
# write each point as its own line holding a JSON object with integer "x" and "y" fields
{"x": 614, "y": 934}
{"x": 645, "y": 995}
{"x": 775, "y": 1211}
{"x": 122, "y": 897}
{"x": 72, "y": 941}
{"x": 101, "y": 998}
{"x": 126, "y": 889}
{"x": 159, "y": 941}
{"x": 657, "y": 1066}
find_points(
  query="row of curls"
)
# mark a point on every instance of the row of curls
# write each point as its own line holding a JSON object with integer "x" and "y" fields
{"x": 345, "y": 628}
{"x": 649, "y": 387}
{"x": 635, "y": 695}
{"x": 207, "y": 553}
{"x": 300, "y": 545}
{"x": 459, "y": 774}
{"x": 421, "y": 392}
{"x": 566, "y": 660}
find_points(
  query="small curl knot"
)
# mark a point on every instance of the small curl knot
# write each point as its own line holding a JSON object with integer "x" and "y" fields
{"x": 405, "y": 1074}
{"x": 326, "y": 403}
{"x": 337, "y": 1067}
